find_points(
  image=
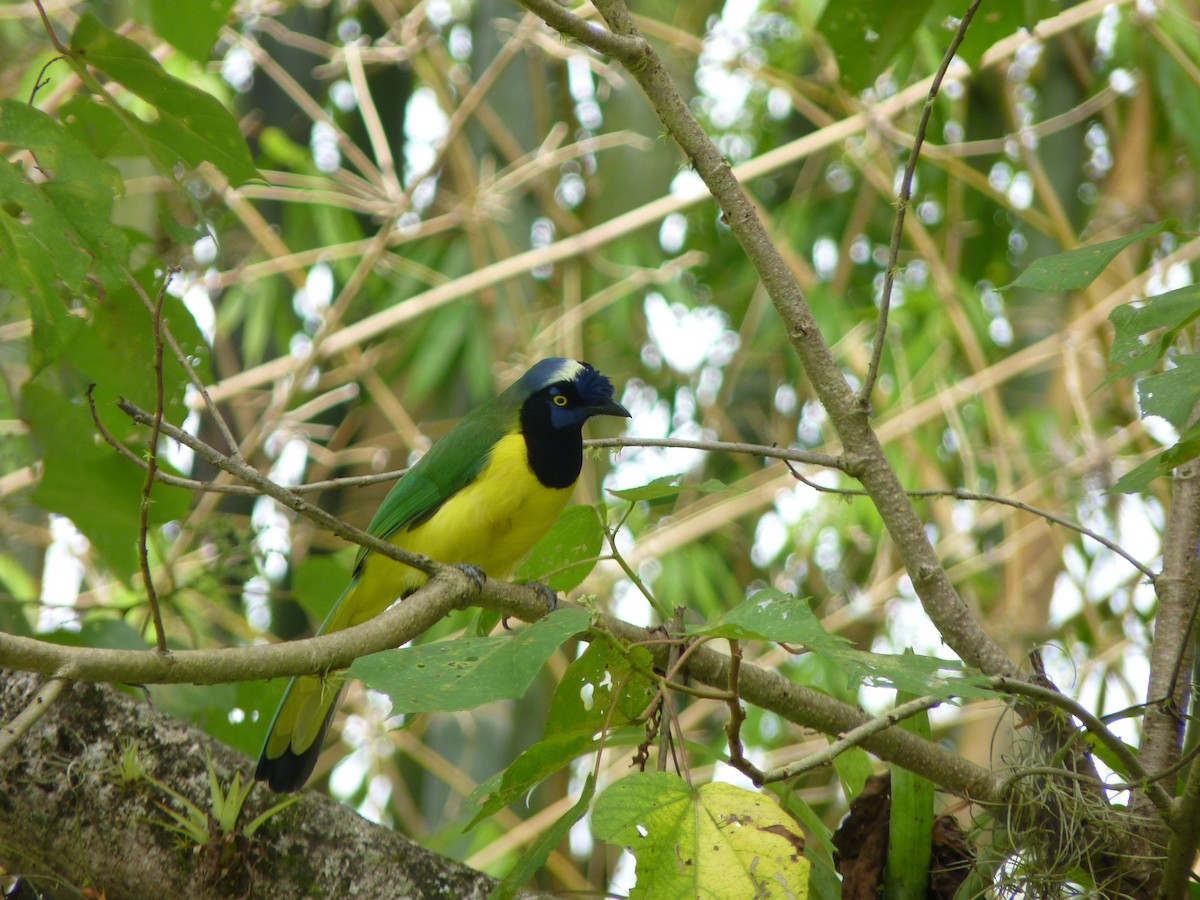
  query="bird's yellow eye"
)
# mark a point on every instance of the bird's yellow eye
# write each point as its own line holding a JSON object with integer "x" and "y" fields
{"x": 560, "y": 400}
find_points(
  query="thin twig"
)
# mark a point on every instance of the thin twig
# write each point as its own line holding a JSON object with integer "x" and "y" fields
{"x": 188, "y": 368}
{"x": 975, "y": 496}
{"x": 289, "y": 499}
{"x": 679, "y": 744}
{"x": 664, "y": 723}
{"x": 903, "y": 201}
{"x": 58, "y": 45}
{"x": 737, "y": 715}
{"x": 11, "y": 733}
{"x": 633, "y": 576}
{"x": 160, "y": 633}
{"x": 807, "y": 457}
{"x": 216, "y": 487}
{"x": 42, "y": 80}
{"x": 853, "y": 738}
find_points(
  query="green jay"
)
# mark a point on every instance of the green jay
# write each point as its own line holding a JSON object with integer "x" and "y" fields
{"x": 482, "y": 496}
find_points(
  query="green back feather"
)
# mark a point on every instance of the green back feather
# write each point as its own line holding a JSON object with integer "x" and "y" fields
{"x": 449, "y": 466}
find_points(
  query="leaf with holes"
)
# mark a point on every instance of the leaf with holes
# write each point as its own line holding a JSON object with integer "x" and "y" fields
{"x": 1172, "y": 394}
{"x": 1164, "y": 316}
{"x": 715, "y": 840}
{"x": 1187, "y": 449}
{"x": 468, "y": 672}
{"x": 771, "y": 615}
{"x": 669, "y": 486}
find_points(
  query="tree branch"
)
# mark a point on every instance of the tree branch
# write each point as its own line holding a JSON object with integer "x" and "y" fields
{"x": 443, "y": 593}
{"x": 70, "y": 820}
{"x": 769, "y": 690}
{"x": 11, "y": 733}
{"x": 864, "y": 455}
{"x": 1170, "y": 687}
{"x": 954, "y": 621}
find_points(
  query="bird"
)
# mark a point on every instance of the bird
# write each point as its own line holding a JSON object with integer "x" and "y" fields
{"x": 482, "y": 496}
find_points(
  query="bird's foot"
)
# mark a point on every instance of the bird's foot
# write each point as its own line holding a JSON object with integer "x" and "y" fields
{"x": 547, "y": 593}
{"x": 476, "y": 574}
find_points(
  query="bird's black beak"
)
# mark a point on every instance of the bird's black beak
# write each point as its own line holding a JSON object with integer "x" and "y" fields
{"x": 609, "y": 408}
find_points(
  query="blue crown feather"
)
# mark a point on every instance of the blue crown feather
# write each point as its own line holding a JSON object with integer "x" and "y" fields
{"x": 592, "y": 387}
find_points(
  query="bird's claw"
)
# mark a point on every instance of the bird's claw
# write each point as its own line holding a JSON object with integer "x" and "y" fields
{"x": 547, "y": 593}
{"x": 476, "y": 574}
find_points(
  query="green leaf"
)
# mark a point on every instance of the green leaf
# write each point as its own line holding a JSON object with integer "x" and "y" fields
{"x": 853, "y": 768}
{"x": 866, "y": 35}
{"x": 924, "y": 675}
{"x": 795, "y": 806}
{"x": 1175, "y": 87}
{"x": 115, "y": 351}
{"x": 88, "y": 482}
{"x": 468, "y": 672}
{"x": 1131, "y": 351}
{"x": 527, "y": 771}
{"x": 269, "y": 813}
{"x": 17, "y": 590}
{"x": 278, "y": 149}
{"x": 190, "y": 25}
{"x": 910, "y": 831}
{"x": 1076, "y": 269}
{"x": 78, "y": 187}
{"x": 600, "y": 689}
{"x": 600, "y": 679}
{"x": 771, "y": 615}
{"x": 669, "y": 486}
{"x": 1172, "y": 394}
{"x": 568, "y": 553}
{"x": 548, "y": 839}
{"x": 717, "y": 840}
{"x": 100, "y": 127}
{"x": 1104, "y": 753}
{"x": 57, "y": 229}
{"x": 192, "y": 125}
{"x": 1187, "y": 449}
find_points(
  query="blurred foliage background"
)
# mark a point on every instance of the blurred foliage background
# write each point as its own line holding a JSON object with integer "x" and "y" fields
{"x": 450, "y": 191}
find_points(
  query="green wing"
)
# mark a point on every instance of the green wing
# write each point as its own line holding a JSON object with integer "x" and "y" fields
{"x": 449, "y": 466}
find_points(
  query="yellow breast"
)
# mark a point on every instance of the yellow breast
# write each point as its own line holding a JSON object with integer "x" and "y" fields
{"x": 491, "y": 523}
